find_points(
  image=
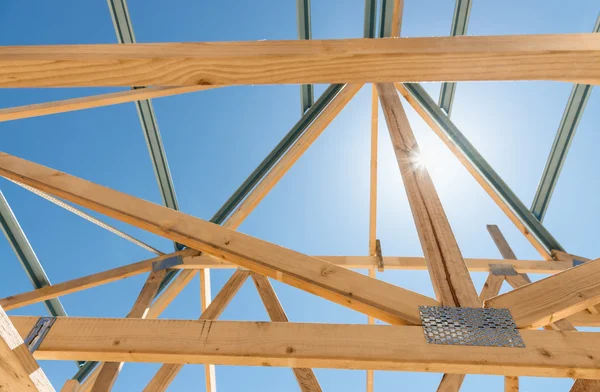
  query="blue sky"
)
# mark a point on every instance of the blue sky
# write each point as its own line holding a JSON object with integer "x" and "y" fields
{"x": 215, "y": 138}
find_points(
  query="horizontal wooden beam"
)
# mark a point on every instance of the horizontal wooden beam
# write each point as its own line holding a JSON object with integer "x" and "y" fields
{"x": 553, "y": 298}
{"x": 566, "y": 57}
{"x": 86, "y": 282}
{"x": 379, "y": 347}
{"x": 381, "y": 300}
{"x": 193, "y": 263}
{"x": 95, "y": 101}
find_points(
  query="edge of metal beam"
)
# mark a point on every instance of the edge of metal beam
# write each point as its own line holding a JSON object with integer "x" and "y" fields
{"x": 370, "y": 19}
{"x": 502, "y": 190}
{"x": 460, "y": 21}
{"x": 307, "y": 97}
{"x": 562, "y": 142}
{"x": 387, "y": 16}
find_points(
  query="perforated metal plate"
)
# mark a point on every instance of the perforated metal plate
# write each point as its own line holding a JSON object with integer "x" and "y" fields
{"x": 469, "y": 326}
{"x": 503, "y": 269}
{"x": 167, "y": 263}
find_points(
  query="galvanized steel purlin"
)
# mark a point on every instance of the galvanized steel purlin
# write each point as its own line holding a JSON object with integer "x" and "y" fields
{"x": 562, "y": 142}
{"x": 307, "y": 97}
{"x": 370, "y": 18}
{"x": 460, "y": 21}
{"x": 502, "y": 190}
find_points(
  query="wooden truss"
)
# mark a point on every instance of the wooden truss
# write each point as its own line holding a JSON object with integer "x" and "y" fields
{"x": 545, "y": 312}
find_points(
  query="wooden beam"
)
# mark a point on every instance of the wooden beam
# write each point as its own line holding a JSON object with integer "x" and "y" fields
{"x": 473, "y": 171}
{"x": 373, "y": 202}
{"x": 382, "y": 347}
{"x": 397, "y": 17}
{"x": 165, "y": 375}
{"x": 586, "y": 386}
{"x": 70, "y": 386}
{"x": 110, "y": 370}
{"x": 569, "y": 58}
{"x": 511, "y": 384}
{"x": 553, "y": 298}
{"x": 307, "y": 381}
{"x": 95, "y": 101}
{"x": 18, "y": 370}
{"x": 449, "y": 274}
{"x": 86, "y": 282}
{"x": 491, "y": 287}
{"x": 210, "y": 377}
{"x": 381, "y": 300}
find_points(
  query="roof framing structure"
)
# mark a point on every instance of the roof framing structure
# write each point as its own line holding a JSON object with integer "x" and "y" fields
{"x": 567, "y": 298}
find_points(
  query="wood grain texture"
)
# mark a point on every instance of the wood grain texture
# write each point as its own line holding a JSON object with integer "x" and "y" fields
{"x": 70, "y": 386}
{"x": 491, "y": 287}
{"x": 86, "y": 282}
{"x": 167, "y": 372}
{"x": 586, "y": 386}
{"x": 95, "y": 101}
{"x": 449, "y": 274}
{"x": 553, "y": 298}
{"x": 307, "y": 381}
{"x": 403, "y": 348}
{"x": 19, "y": 371}
{"x": 473, "y": 171}
{"x": 381, "y": 300}
{"x": 210, "y": 377}
{"x": 451, "y": 382}
{"x": 570, "y": 58}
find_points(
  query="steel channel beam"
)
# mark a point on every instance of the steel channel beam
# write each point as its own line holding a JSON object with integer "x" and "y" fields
{"x": 460, "y": 21}
{"x": 562, "y": 142}
{"x": 387, "y": 16}
{"x": 124, "y": 30}
{"x": 531, "y": 223}
{"x": 370, "y": 18}
{"x": 307, "y": 95}
{"x": 22, "y": 248}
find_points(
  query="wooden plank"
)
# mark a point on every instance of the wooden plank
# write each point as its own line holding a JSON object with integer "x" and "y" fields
{"x": 381, "y": 300}
{"x": 491, "y": 287}
{"x": 569, "y": 58}
{"x": 473, "y": 171}
{"x": 307, "y": 381}
{"x": 95, "y": 101}
{"x": 110, "y": 370}
{"x": 86, "y": 282}
{"x": 210, "y": 377}
{"x": 401, "y": 263}
{"x": 373, "y": 202}
{"x": 501, "y": 243}
{"x": 165, "y": 375}
{"x": 586, "y": 386}
{"x": 70, "y": 386}
{"x": 347, "y": 346}
{"x": 449, "y": 274}
{"x": 553, "y": 298}
{"x": 19, "y": 371}
{"x": 511, "y": 384}
{"x": 397, "y": 17}
{"x": 294, "y": 153}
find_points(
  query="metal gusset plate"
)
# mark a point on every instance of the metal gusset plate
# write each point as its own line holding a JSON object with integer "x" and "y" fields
{"x": 469, "y": 326}
{"x": 503, "y": 270}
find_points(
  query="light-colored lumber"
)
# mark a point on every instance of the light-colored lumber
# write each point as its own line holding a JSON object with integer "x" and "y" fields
{"x": 307, "y": 381}
{"x": 110, "y": 370}
{"x": 210, "y": 377}
{"x": 473, "y": 171}
{"x": 491, "y": 287}
{"x": 511, "y": 384}
{"x": 382, "y": 347}
{"x": 86, "y": 282}
{"x": 95, "y": 101}
{"x": 19, "y": 371}
{"x": 561, "y": 57}
{"x": 197, "y": 262}
{"x": 168, "y": 371}
{"x": 351, "y": 289}
{"x": 70, "y": 386}
{"x": 553, "y": 298}
{"x": 449, "y": 274}
{"x": 373, "y": 201}
{"x": 294, "y": 153}
{"x": 397, "y": 17}
{"x": 401, "y": 263}
{"x": 564, "y": 256}
{"x": 582, "y": 385}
